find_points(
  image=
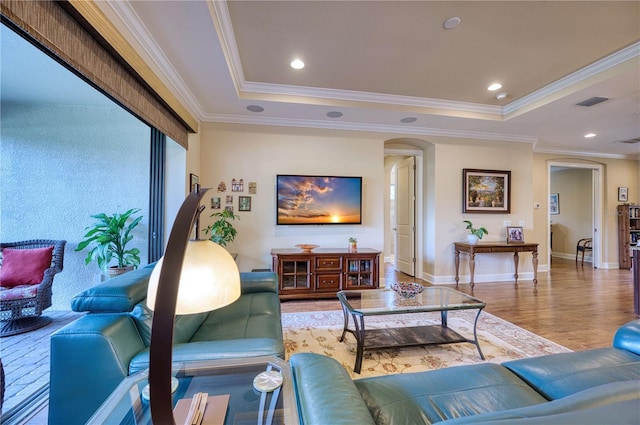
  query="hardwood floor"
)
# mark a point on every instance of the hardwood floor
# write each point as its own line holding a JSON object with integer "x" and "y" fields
{"x": 576, "y": 306}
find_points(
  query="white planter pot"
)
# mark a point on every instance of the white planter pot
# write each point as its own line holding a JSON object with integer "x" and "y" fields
{"x": 473, "y": 239}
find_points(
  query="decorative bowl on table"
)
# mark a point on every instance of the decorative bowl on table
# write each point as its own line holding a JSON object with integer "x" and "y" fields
{"x": 307, "y": 247}
{"x": 407, "y": 290}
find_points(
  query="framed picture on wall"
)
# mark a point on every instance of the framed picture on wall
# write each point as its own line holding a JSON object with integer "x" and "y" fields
{"x": 554, "y": 203}
{"x": 486, "y": 191}
{"x": 623, "y": 194}
{"x": 244, "y": 203}
{"x": 193, "y": 181}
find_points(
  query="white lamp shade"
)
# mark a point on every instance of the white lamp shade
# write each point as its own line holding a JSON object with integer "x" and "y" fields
{"x": 209, "y": 280}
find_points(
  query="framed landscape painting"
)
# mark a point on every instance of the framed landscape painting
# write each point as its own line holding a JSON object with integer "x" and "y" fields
{"x": 486, "y": 191}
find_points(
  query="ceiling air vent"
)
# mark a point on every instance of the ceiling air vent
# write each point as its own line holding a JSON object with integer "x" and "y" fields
{"x": 630, "y": 141}
{"x": 592, "y": 101}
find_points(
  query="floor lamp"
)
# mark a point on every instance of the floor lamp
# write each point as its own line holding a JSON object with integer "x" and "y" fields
{"x": 193, "y": 276}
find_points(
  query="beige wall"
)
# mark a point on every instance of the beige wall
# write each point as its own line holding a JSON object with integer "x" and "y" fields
{"x": 575, "y": 218}
{"x": 616, "y": 173}
{"x": 258, "y": 153}
{"x": 445, "y": 203}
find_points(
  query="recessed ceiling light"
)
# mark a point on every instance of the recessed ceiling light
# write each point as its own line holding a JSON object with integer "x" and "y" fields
{"x": 407, "y": 120}
{"x": 451, "y": 23}
{"x": 334, "y": 114}
{"x": 255, "y": 108}
{"x": 501, "y": 96}
{"x": 494, "y": 87}
{"x": 297, "y": 64}
{"x": 590, "y": 135}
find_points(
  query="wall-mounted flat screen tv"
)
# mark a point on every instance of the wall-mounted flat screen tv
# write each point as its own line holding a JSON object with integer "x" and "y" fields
{"x": 318, "y": 199}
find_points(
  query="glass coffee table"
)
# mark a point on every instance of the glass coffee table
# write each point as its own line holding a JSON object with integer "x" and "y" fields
{"x": 376, "y": 302}
{"x": 232, "y": 377}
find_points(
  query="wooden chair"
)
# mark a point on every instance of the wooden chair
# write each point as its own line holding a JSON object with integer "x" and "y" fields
{"x": 583, "y": 245}
{"x": 21, "y": 306}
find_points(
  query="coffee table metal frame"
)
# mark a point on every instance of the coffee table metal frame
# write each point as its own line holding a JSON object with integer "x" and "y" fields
{"x": 376, "y": 302}
{"x": 216, "y": 377}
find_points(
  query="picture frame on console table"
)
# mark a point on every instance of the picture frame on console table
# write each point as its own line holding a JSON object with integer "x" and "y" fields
{"x": 515, "y": 234}
{"x": 486, "y": 191}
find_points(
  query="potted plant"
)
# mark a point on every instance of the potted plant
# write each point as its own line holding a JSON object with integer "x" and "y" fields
{"x": 109, "y": 238}
{"x": 222, "y": 230}
{"x": 353, "y": 244}
{"x": 475, "y": 233}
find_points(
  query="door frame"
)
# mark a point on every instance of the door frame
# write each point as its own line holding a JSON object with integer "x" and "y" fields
{"x": 597, "y": 188}
{"x": 419, "y": 190}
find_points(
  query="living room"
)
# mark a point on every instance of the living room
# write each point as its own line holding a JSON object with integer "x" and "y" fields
{"x": 256, "y": 152}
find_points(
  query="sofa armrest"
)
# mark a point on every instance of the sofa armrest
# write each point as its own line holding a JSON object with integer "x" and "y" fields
{"x": 259, "y": 282}
{"x": 628, "y": 337}
{"x": 89, "y": 358}
{"x": 192, "y": 352}
{"x": 325, "y": 393}
{"x": 119, "y": 294}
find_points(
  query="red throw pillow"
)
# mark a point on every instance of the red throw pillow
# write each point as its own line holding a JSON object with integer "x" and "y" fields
{"x": 24, "y": 266}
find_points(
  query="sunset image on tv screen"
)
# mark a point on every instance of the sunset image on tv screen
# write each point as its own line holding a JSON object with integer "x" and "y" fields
{"x": 319, "y": 200}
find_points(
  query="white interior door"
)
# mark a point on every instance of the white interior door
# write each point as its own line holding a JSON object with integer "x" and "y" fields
{"x": 405, "y": 245}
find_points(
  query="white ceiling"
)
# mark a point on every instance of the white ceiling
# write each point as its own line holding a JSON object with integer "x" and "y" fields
{"x": 380, "y": 61}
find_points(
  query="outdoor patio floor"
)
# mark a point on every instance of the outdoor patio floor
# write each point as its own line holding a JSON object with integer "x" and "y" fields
{"x": 25, "y": 358}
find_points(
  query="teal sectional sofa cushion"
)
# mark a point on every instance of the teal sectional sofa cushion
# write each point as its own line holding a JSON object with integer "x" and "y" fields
{"x": 599, "y": 386}
{"x": 91, "y": 356}
{"x": 444, "y": 394}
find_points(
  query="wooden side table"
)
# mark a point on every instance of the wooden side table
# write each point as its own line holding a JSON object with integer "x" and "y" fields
{"x": 491, "y": 248}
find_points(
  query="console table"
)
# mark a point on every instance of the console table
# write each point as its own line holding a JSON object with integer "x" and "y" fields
{"x": 495, "y": 247}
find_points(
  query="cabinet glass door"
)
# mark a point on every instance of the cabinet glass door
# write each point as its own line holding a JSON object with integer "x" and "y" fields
{"x": 295, "y": 274}
{"x": 359, "y": 273}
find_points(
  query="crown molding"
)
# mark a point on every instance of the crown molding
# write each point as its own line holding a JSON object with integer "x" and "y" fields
{"x": 583, "y": 153}
{"x": 618, "y": 58}
{"x": 96, "y": 17}
{"x": 133, "y": 24}
{"x": 366, "y": 127}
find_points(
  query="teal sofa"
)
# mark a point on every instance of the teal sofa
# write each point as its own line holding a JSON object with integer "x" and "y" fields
{"x": 600, "y": 386}
{"x": 91, "y": 356}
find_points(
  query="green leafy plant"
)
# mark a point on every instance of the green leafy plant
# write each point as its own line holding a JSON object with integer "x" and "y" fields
{"x": 109, "y": 238}
{"x": 222, "y": 230}
{"x": 353, "y": 240}
{"x": 479, "y": 232}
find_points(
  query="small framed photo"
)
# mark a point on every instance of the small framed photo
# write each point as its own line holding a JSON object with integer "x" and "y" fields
{"x": 244, "y": 203}
{"x": 193, "y": 182}
{"x": 554, "y": 203}
{"x": 515, "y": 235}
{"x": 253, "y": 188}
{"x": 215, "y": 203}
{"x": 623, "y": 194}
{"x": 228, "y": 199}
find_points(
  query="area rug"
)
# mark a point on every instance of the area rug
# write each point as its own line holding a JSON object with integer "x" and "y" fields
{"x": 319, "y": 332}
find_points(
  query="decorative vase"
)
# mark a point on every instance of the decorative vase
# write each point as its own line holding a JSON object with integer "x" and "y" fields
{"x": 473, "y": 239}
{"x": 353, "y": 247}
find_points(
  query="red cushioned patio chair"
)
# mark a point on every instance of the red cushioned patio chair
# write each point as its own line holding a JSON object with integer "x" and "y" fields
{"x": 21, "y": 305}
